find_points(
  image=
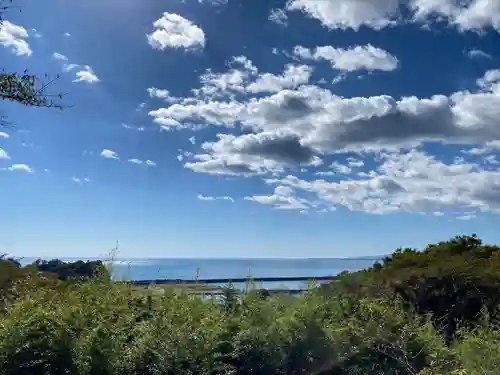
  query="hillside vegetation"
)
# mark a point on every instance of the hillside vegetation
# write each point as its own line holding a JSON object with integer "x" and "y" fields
{"x": 423, "y": 312}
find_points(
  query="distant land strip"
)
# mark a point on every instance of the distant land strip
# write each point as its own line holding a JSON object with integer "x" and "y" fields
{"x": 234, "y": 280}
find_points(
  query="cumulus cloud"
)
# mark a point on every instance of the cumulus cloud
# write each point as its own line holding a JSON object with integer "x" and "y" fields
{"x": 86, "y": 74}
{"x": 108, "y": 154}
{"x": 14, "y": 37}
{"x": 227, "y": 84}
{"x": 487, "y": 148}
{"x": 473, "y": 15}
{"x": 4, "y": 135}
{"x": 283, "y": 198}
{"x": 330, "y": 123}
{"x": 278, "y": 16}
{"x": 174, "y": 31}
{"x": 355, "y": 58}
{"x": 209, "y": 198}
{"x": 411, "y": 181}
{"x": 4, "y": 155}
{"x": 292, "y": 77}
{"x": 154, "y": 92}
{"x": 252, "y": 154}
{"x": 296, "y": 127}
{"x": 344, "y": 14}
{"x": 21, "y": 167}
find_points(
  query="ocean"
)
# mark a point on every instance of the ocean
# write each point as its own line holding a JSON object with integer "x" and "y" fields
{"x": 191, "y": 268}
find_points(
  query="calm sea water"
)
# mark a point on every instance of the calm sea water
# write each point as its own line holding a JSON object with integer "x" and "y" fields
{"x": 149, "y": 269}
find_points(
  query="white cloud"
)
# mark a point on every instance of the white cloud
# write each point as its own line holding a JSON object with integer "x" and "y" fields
{"x": 283, "y": 198}
{"x": 365, "y": 57}
{"x": 4, "y": 155}
{"x": 215, "y": 85}
{"x": 477, "y": 53}
{"x": 79, "y": 180}
{"x": 154, "y": 92}
{"x": 36, "y": 34}
{"x": 58, "y": 56}
{"x": 411, "y": 181}
{"x": 108, "y": 154}
{"x": 330, "y": 123}
{"x": 140, "y": 107}
{"x": 344, "y": 14}
{"x": 192, "y": 140}
{"x": 278, "y": 16}
{"x": 158, "y": 93}
{"x": 130, "y": 127}
{"x": 490, "y": 80}
{"x": 292, "y": 77}
{"x": 174, "y": 31}
{"x": 252, "y": 154}
{"x": 487, "y": 148}
{"x": 168, "y": 123}
{"x": 296, "y": 128}
{"x": 148, "y": 163}
{"x": 4, "y": 135}
{"x": 86, "y": 75}
{"x": 206, "y": 198}
{"x": 67, "y": 34}
{"x": 69, "y": 67}
{"x": 13, "y": 36}
{"x": 473, "y": 15}
{"x": 20, "y": 167}
{"x": 354, "y": 163}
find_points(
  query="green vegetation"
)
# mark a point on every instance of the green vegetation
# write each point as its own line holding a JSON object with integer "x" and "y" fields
{"x": 417, "y": 312}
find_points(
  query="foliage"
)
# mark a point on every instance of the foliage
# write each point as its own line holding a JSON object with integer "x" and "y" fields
{"x": 69, "y": 270}
{"x": 451, "y": 280}
{"x": 102, "y": 327}
{"x": 25, "y": 89}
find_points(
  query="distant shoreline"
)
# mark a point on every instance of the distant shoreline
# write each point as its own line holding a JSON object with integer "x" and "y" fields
{"x": 230, "y": 280}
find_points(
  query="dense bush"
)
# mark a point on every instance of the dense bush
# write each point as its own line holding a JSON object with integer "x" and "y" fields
{"x": 452, "y": 280}
{"x": 101, "y": 327}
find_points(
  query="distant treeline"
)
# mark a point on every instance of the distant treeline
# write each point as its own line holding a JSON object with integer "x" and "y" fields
{"x": 58, "y": 268}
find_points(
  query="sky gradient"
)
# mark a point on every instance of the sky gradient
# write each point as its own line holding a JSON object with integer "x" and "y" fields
{"x": 307, "y": 128}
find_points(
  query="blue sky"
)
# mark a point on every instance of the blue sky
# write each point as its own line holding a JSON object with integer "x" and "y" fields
{"x": 308, "y": 128}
